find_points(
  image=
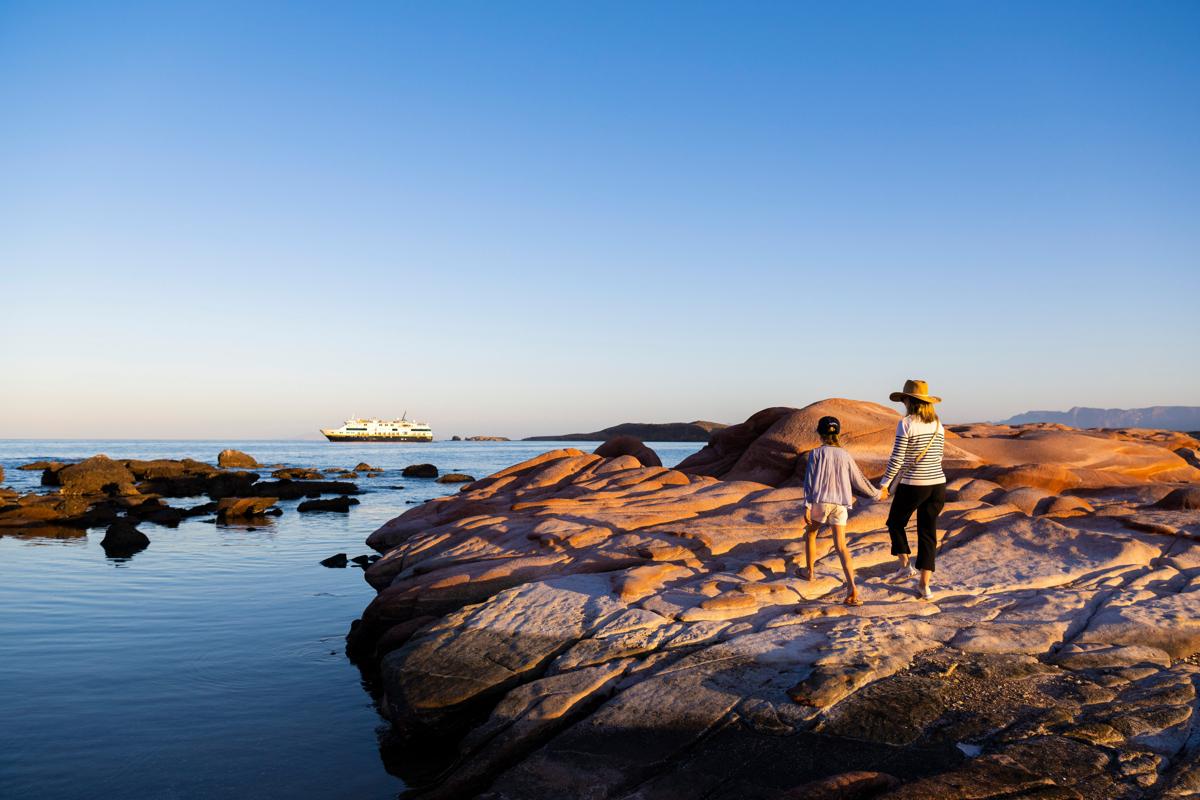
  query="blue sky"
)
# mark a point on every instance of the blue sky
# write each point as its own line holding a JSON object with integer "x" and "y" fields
{"x": 254, "y": 219}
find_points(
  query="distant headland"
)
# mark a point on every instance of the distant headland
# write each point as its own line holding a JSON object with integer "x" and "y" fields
{"x": 698, "y": 431}
{"x": 1174, "y": 418}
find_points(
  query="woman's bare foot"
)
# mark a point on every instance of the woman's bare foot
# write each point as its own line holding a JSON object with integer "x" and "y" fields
{"x": 852, "y": 599}
{"x": 807, "y": 574}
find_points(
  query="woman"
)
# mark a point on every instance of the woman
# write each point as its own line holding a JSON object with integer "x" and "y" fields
{"x": 917, "y": 462}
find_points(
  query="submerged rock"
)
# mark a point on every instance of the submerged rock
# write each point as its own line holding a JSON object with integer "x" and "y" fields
{"x": 337, "y": 560}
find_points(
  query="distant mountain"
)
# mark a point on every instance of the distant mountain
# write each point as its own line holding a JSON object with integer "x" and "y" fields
{"x": 1173, "y": 418}
{"x": 697, "y": 431}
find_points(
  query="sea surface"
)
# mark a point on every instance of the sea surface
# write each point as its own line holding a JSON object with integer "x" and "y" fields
{"x": 211, "y": 664}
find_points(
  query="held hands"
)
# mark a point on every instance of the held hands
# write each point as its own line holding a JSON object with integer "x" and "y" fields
{"x": 883, "y": 494}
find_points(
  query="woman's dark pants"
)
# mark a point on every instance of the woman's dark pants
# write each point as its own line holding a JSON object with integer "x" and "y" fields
{"x": 927, "y": 501}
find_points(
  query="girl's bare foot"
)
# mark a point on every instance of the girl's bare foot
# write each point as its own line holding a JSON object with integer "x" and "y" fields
{"x": 852, "y": 599}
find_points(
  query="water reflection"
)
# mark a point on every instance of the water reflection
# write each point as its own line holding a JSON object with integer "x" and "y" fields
{"x": 210, "y": 663}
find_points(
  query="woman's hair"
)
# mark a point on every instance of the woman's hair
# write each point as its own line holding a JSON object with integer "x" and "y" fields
{"x": 830, "y": 439}
{"x": 921, "y": 410}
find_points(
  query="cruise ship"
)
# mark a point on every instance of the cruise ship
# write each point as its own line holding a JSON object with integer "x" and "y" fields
{"x": 380, "y": 430}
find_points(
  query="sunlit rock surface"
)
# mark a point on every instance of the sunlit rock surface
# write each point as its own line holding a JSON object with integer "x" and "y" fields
{"x": 580, "y": 626}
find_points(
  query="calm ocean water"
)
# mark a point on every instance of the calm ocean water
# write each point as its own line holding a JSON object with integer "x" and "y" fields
{"x": 210, "y": 664}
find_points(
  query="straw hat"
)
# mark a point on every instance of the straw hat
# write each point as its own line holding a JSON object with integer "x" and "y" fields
{"x": 917, "y": 390}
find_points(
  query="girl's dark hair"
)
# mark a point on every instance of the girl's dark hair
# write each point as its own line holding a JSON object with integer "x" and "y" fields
{"x": 830, "y": 439}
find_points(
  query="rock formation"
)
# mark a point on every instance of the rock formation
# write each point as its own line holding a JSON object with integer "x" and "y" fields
{"x": 629, "y": 446}
{"x": 577, "y": 625}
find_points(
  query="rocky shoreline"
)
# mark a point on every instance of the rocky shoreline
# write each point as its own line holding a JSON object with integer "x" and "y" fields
{"x": 590, "y": 625}
{"x": 119, "y": 495}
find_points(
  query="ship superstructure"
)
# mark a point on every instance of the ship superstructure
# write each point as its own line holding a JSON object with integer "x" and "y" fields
{"x": 380, "y": 430}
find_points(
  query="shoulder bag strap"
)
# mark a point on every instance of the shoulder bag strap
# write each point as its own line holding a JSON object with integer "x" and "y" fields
{"x": 921, "y": 455}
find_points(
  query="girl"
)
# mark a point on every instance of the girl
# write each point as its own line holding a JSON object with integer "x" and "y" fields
{"x": 917, "y": 461}
{"x": 829, "y": 485}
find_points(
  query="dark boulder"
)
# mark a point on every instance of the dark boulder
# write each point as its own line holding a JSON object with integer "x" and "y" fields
{"x": 242, "y": 507}
{"x": 420, "y": 471}
{"x": 336, "y": 560}
{"x": 236, "y": 459}
{"x": 341, "y": 504}
{"x": 123, "y": 539}
{"x": 629, "y": 446}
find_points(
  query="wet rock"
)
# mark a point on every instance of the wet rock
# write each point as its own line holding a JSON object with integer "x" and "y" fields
{"x": 455, "y": 477}
{"x": 123, "y": 539}
{"x": 341, "y": 504}
{"x": 41, "y": 466}
{"x": 629, "y": 446}
{"x": 420, "y": 471}
{"x": 165, "y": 468}
{"x": 338, "y": 561}
{"x": 365, "y": 467}
{"x": 293, "y": 490}
{"x": 298, "y": 474}
{"x": 236, "y": 459}
{"x": 231, "y": 508}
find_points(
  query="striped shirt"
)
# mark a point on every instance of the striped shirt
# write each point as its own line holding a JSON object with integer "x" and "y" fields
{"x": 911, "y": 437}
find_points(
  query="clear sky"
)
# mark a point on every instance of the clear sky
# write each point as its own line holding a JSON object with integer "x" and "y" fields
{"x": 255, "y": 219}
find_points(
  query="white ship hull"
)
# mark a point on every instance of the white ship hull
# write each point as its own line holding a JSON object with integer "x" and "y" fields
{"x": 380, "y": 430}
